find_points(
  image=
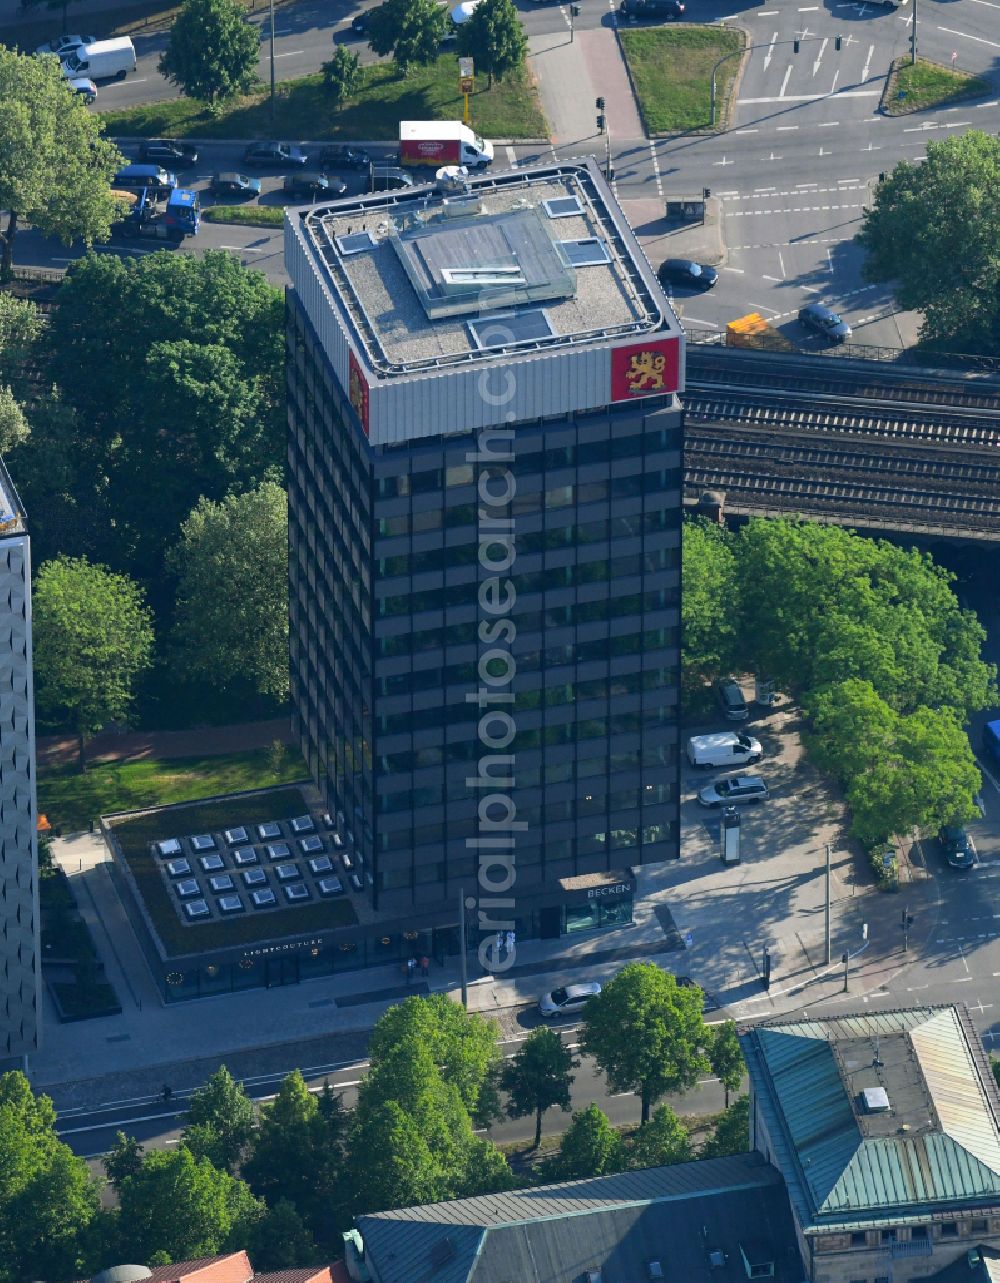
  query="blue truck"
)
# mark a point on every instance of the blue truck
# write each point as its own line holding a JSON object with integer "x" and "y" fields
{"x": 180, "y": 217}
{"x": 991, "y": 743}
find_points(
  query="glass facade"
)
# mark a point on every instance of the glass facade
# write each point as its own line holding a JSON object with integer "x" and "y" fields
{"x": 387, "y": 647}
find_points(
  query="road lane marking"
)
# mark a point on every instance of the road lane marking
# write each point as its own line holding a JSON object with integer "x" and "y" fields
{"x": 784, "y": 129}
{"x": 828, "y": 124}
{"x": 819, "y": 56}
{"x": 781, "y": 264}
{"x": 979, "y": 40}
{"x": 784, "y": 83}
{"x": 770, "y": 51}
{"x": 844, "y": 93}
{"x": 868, "y": 62}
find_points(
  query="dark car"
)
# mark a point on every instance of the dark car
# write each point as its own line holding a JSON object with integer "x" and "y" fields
{"x": 823, "y": 320}
{"x": 387, "y": 178}
{"x": 340, "y": 156}
{"x": 313, "y": 185}
{"x": 277, "y": 155}
{"x": 241, "y": 186}
{"x": 655, "y": 10}
{"x": 169, "y": 151}
{"x": 359, "y": 24}
{"x": 959, "y": 848}
{"x": 684, "y": 271}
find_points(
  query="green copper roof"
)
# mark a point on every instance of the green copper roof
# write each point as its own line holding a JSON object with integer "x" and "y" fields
{"x": 937, "y": 1143}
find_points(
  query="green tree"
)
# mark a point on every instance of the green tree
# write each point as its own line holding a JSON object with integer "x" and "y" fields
{"x": 463, "y": 1044}
{"x": 224, "y": 1113}
{"x": 726, "y": 1058}
{"x": 539, "y": 1077}
{"x": 661, "y": 1143}
{"x": 13, "y": 425}
{"x": 297, "y": 1153}
{"x": 709, "y": 603}
{"x": 732, "y": 1132}
{"x": 279, "y": 1240}
{"x": 850, "y": 728}
{"x": 492, "y": 35}
{"x": 933, "y": 230}
{"x": 20, "y": 335}
{"x": 589, "y": 1146}
{"x": 390, "y": 1163}
{"x": 177, "y": 368}
{"x": 55, "y": 167}
{"x": 341, "y": 76}
{"x": 646, "y": 1033}
{"x": 212, "y": 52}
{"x": 995, "y": 1066}
{"x": 183, "y": 1207}
{"x": 47, "y": 1196}
{"x": 231, "y": 619}
{"x": 410, "y": 30}
{"x": 122, "y": 1160}
{"x": 92, "y": 639}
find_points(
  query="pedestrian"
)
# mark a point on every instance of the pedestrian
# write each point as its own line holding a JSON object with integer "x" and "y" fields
{"x": 167, "y": 1094}
{"x": 411, "y": 966}
{"x": 510, "y": 942}
{"x": 425, "y": 966}
{"x": 499, "y": 944}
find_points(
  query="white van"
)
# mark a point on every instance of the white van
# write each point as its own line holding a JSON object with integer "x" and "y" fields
{"x": 102, "y": 60}
{"x": 724, "y": 748}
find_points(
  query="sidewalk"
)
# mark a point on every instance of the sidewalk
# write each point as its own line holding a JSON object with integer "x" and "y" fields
{"x": 571, "y": 74}
{"x": 115, "y": 746}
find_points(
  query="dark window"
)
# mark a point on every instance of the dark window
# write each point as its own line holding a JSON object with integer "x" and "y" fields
{"x": 889, "y": 1236}
{"x": 975, "y": 1227}
{"x": 859, "y": 1239}
{"x": 949, "y": 1229}
{"x": 919, "y": 1233}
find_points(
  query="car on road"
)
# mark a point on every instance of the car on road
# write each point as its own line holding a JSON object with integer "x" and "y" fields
{"x": 825, "y": 321}
{"x": 359, "y": 24}
{"x": 724, "y": 748}
{"x": 340, "y": 156}
{"x": 169, "y": 151}
{"x": 651, "y": 10}
{"x": 313, "y": 185}
{"x": 85, "y": 88}
{"x": 63, "y": 46}
{"x": 239, "y": 186}
{"x": 686, "y": 272}
{"x": 731, "y": 699}
{"x": 275, "y": 155}
{"x": 567, "y": 1000}
{"x": 958, "y": 846}
{"x": 736, "y": 789}
{"x": 387, "y": 178}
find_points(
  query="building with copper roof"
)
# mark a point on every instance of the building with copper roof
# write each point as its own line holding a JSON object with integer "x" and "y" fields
{"x": 886, "y": 1128}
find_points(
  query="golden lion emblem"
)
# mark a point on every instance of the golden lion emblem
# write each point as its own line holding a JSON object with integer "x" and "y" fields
{"x": 645, "y": 371}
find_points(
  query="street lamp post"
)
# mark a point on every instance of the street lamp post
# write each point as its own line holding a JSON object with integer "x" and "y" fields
{"x": 913, "y": 36}
{"x": 273, "y": 106}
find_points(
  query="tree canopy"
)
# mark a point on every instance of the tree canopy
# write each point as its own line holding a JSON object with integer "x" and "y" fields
{"x": 410, "y": 30}
{"x": 220, "y": 1121}
{"x": 55, "y": 165}
{"x": 933, "y": 230}
{"x": 93, "y": 637}
{"x": 709, "y": 603}
{"x": 647, "y": 1034}
{"x": 231, "y": 615}
{"x": 341, "y": 76}
{"x": 589, "y": 1146}
{"x": 661, "y": 1143}
{"x": 732, "y": 1132}
{"x": 726, "y": 1058}
{"x": 539, "y": 1077}
{"x": 212, "y": 51}
{"x": 493, "y": 37}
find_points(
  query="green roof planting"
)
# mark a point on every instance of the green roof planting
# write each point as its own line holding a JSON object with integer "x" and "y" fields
{"x": 878, "y": 1114}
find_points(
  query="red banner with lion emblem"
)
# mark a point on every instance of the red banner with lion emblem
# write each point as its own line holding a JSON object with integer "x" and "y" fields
{"x": 645, "y": 369}
{"x": 357, "y": 391}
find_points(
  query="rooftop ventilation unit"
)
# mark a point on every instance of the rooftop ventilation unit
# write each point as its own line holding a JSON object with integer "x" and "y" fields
{"x": 463, "y": 279}
{"x": 717, "y": 1259}
{"x": 876, "y": 1100}
{"x": 354, "y": 243}
{"x": 654, "y": 1270}
{"x": 501, "y": 330}
{"x": 562, "y": 207}
{"x": 595, "y": 1276}
{"x": 591, "y": 252}
{"x": 460, "y": 206}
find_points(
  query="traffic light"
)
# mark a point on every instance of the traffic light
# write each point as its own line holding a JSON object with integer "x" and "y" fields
{"x": 705, "y": 193}
{"x": 601, "y": 122}
{"x": 838, "y": 43}
{"x": 574, "y": 10}
{"x": 766, "y": 968}
{"x": 796, "y": 46}
{"x": 599, "y": 104}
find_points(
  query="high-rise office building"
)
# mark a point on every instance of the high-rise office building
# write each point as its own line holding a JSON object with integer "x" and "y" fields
{"x": 20, "y": 998}
{"x": 485, "y": 509}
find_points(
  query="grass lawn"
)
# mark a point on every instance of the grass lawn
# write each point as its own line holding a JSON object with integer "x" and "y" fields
{"x": 136, "y": 836}
{"x": 508, "y": 110}
{"x": 248, "y": 215}
{"x": 72, "y": 799}
{"x": 928, "y": 84}
{"x": 672, "y": 71}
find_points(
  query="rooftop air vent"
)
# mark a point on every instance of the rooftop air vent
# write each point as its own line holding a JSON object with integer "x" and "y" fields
{"x": 442, "y": 1252}
{"x": 654, "y": 1270}
{"x": 590, "y": 252}
{"x": 717, "y": 1259}
{"x": 876, "y": 1100}
{"x": 595, "y": 1276}
{"x": 510, "y": 327}
{"x": 354, "y": 243}
{"x": 463, "y": 279}
{"x": 562, "y": 207}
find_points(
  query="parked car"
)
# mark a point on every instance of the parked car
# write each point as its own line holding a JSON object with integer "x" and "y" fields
{"x": 568, "y": 1000}
{"x": 724, "y": 748}
{"x": 340, "y": 156}
{"x": 823, "y": 320}
{"x": 732, "y": 700}
{"x": 654, "y": 10}
{"x": 958, "y": 846}
{"x": 359, "y": 24}
{"x": 239, "y": 186}
{"x": 169, "y": 151}
{"x": 684, "y": 271}
{"x": 156, "y": 180}
{"x": 313, "y": 185}
{"x": 63, "y": 46}
{"x": 276, "y": 155}
{"x": 85, "y": 88}
{"x": 387, "y": 178}
{"x": 734, "y": 790}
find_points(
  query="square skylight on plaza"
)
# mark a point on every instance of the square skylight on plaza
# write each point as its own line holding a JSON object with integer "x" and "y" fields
{"x": 288, "y": 872}
{"x": 302, "y": 824}
{"x": 296, "y": 894}
{"x": 202, "y": 842}
{"x": 230, "y": 904}
{"x": 212, "y": 863}
{"x": 268, "y": 830}
{"x": 330, "y": 886}
{"x": 169, "y": 847}
{"x": 222, "y": 882}
{"x": 197, "y": 909}
{"x": 254, "y": 878}
{"x": 278, "y": 850}
{"x": 187, "y": 888}
{"x": 311, "y": 845}
{"x": 321, "y": 864}
{"x": 234, "y": 837}
{"x": 178, "y": 868}
{"x": 263, "y": 899}
{"x": 244, "y": 855}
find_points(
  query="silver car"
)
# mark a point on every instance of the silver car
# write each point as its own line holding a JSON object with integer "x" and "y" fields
{"x": 568, "y": 1000}
{"x": 823, "y": 320}
{"x": 735, "y": 789}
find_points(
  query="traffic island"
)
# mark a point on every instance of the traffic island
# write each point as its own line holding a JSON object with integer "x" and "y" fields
{"x": 245, "y": 215}
{"x": 508, "y": 109}
{"x": 671, "y": 70}
{"x": 922, "y": 85}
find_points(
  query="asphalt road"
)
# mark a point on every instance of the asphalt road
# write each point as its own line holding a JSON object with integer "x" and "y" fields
{"x": 91, "y": 1132}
